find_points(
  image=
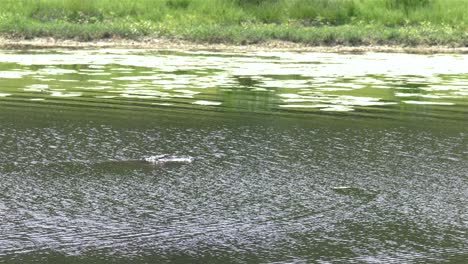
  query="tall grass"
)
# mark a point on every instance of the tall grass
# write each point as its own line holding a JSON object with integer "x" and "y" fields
{"x": 335, "y": 12}
{"x": 278, "y": 19}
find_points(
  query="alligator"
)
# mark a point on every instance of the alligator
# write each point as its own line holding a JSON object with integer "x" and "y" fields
{"x": 162, "y": 159}
{"x": 156, "y": 160}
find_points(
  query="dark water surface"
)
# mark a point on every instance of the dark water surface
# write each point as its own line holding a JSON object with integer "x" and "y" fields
{"x": 298, "y": 157}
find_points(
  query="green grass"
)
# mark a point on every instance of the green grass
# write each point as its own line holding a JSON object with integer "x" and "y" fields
{"x": 314, "y": 22}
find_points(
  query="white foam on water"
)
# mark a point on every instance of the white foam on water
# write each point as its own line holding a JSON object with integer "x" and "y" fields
{"x": 461, "y": 93}
{"x": 126, "y": 95}
{"x": 203, "y": 102}
{"x": 285, "y": 84}
{"x": 55, "y": 71}
{"x": 44, "y": 79}
{"x": 136, "y": 78}
{"x": 290, "y": 95}
{"x": 97, "y": 73}
{"x": 100, "y": 81}
{"x": 344, "y": 100}
{"x": 122, "y": 69}
{"x": 62, "y": 94}
{"x": 437, "y": 96}
{"x": 105, "y": 96}
{"x": 187, "y": 92}
{"x": 36, "y": 88}
{"x": 440, "y": 88}
{"x": 144, "y": 92}
{"x": 96, "y": 88}
{"x": 407, "y": 94}
{"x": 430, "y": 96}
{"x": 304, "y": 106}
{"x": 303, "y": 100}
{"x": 332, "y": 89}
{"x": 135, "y": 85}
{"x": 259, "y": 90}
{"x": 163, "y": 104}
{"x": 338, "y": 108}
{"x": 96, "y": 66}
{"x": 349, "y": 85}
{"x": 91, "y": 70}
{"x": 14, "y": 74}
{"x": 65, "y": 80}
{"x": 182, "y": 96}
{"x": 174, "y": 86}
{"x": 427, "y": 103}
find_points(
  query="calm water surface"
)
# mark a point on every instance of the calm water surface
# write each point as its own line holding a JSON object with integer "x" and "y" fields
{"x": 297, "y": 157}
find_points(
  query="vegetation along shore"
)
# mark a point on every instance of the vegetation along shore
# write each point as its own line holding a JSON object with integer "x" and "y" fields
{"x": 407, "y": 23}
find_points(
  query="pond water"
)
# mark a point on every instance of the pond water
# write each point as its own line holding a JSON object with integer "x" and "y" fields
{"x": 293, "y": 157}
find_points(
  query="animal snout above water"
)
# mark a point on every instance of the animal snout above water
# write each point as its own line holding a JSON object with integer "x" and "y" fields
{"x": 168, "y": 159}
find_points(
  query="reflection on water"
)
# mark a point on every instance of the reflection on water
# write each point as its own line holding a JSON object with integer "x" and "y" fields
{"x": 287, "y": 157}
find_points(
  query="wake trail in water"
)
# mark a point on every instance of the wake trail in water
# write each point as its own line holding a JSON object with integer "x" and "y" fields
{"x": 151, "y": 160}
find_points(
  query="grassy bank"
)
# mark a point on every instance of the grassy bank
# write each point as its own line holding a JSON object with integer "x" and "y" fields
{"x": 314, "y": 22}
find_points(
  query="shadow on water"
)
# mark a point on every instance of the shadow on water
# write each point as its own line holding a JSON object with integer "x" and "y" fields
{"x": 355, "y": 192}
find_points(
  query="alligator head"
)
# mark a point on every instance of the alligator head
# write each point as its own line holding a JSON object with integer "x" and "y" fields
{"x": 158, "y": 159}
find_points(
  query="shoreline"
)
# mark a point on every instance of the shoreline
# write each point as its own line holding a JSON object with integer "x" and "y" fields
{"x": 177, "y": 44}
